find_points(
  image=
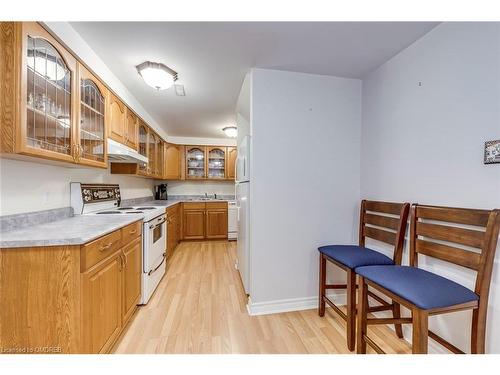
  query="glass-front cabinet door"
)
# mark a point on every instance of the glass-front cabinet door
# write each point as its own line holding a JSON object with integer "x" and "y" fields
{"x": 216, "y": 162}
{"x": 92, "y": 131}
{"x": 195, "y": 162}
{"x": 143, "y": 146}
{"x": 160, "y": 157}
{"x": 48, "y": 83}
{"x": 152, "y": 154}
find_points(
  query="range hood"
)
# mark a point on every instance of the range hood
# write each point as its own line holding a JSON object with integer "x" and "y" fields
{"x": 118, "y": 153}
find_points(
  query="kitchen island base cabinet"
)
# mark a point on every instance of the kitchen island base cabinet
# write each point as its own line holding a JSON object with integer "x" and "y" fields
{"x": 70, "y": 299}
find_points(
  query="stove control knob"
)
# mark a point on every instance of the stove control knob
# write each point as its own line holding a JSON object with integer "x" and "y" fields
{"x": 86, "y": 198}
{"x": 111, "y": 193}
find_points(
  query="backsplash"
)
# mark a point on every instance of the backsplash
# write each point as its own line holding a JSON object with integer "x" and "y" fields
{"x": 19, "y": 221}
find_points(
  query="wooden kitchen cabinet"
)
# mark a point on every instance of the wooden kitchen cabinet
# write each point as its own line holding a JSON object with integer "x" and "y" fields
{"x": 173, "y": 157}
{"x": 195, "y": 162}
{"x": 101, "y": 301}
{"x": 132, "y": 257}
{"x": 117, "y": 117}
{"x": 74, "y": 299}
{"x": 202, "y": 220}
{"x": 143, "y": 146}
{"x": 216, "y": 220}
{"x": 152, "y": 139}
{"x": 173, "y": 228}
{"x": 231, "y": 153}
{"x": 160, "y": 158}
{"x": 216, "y": 162}
{"x": 193, "y": 221}
{"x": 131, "y": 130}
{"x": 39, "y": 94}
{"x": 91, "y": 119}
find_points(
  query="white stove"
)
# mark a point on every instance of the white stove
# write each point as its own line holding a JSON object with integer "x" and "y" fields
{"x": 105, "y": 199}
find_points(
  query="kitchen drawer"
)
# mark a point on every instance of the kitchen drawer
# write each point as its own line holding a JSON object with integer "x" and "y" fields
{"x": 97, "y": 250}
{"x": 212, "y": 205}
{"x": 130, "y": 232}
{"x": 194, "y": 206}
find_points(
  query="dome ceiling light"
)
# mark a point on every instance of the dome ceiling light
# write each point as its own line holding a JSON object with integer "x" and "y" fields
{"x": 231, "y": 131}
{"x": 157, "y": 75}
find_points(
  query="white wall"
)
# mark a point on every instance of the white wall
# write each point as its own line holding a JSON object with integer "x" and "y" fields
{"x": 28, "y": 187}
{"x": 305, "y": 171}
{"x": 425, "y": 143}
{"x": 200, "y": 188}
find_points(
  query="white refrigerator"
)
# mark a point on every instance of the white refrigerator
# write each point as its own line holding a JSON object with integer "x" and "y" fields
{"x": 243, "y": 209}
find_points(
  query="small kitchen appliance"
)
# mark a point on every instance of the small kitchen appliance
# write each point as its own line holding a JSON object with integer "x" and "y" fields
{"x": 161, "y": 192}
{"x": 105, "y": 199}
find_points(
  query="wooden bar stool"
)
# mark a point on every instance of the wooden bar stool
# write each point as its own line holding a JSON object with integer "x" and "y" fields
{"x": 382, "y": 221}
{"x": 444, "y": 233}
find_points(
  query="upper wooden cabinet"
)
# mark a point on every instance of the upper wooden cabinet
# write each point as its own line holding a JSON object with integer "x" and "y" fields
{"x": 131, "y": 130}
{"x": 91, "y": 119}
{"x": 210, "y": 162}
{"x": 152, "y": 155}
{"x": 172, "y": 161}
{"x": 195, "y": 162}
{"x": 160, "y": 158}
{"x": 117, "y": 113}
{"x": 143, "y": 146}
{"x": 231, "y": 153}
{"x": 38, "y": 100}
{"x": 216, "y": 162}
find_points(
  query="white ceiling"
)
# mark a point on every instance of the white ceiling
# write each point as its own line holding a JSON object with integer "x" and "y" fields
{"x": 213, "y": 58}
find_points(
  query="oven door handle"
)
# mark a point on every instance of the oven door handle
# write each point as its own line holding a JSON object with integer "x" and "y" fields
{"x": 157, "y": 225}
{"x": 159, "y": 265}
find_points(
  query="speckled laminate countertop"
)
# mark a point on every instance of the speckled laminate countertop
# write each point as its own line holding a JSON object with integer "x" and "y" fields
{"x": 78, "y": 230}
{"x": 75, "y": 230}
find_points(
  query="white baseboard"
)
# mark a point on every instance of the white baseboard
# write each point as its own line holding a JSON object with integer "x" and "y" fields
{"x": 292, "y": 304}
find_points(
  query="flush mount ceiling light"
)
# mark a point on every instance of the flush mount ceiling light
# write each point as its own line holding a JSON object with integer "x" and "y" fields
{"x": 157, "y": 75}
{"x": 231, "y": 131}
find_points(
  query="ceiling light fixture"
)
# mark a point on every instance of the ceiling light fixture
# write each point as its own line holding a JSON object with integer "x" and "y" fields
{"x": 231, "y": 131}
{"x": 157, "y": 75}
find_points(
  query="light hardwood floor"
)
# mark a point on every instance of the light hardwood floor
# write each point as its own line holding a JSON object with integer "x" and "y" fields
{"x": 200, "y": 307}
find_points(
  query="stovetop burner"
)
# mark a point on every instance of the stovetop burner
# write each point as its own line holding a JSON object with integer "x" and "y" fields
{"x": 125, "y": 208}
{"x": 134, "y": 212}
{"x": 146, "y": 208}
{"x": 108, "y": 212}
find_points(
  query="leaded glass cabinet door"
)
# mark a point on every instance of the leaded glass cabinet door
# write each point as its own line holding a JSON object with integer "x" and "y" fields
{"x": 195, "y": 162}
{"x": 143, "y": 146}
{"x": 92, "y": 131}
{"x": 48, "y": 86}
{"x": 216, "y": 162}
{"x": 152, "y": 154}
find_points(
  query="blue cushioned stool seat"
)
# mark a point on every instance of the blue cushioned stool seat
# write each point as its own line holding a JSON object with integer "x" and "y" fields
{"x": 354, "y": 256}
{"x": 424, "y": 289}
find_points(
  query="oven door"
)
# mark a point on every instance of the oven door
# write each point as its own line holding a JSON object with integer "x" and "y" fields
{"x": 155, "y": 243}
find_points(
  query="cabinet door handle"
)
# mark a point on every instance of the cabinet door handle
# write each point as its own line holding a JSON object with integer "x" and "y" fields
{"x": 106, "y": 247}
{"x": 133, "y": 231}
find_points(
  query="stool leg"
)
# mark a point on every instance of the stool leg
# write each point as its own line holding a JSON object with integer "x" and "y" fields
{"x": 322, "y": 283}
{"x": 351, "y": 310}
{"x": 362, "y": 315}
{"x": 420, "y": 339}
{"x": 396, "y": 313}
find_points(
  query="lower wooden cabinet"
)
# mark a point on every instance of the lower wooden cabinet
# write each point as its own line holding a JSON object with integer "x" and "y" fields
{"x": 71, "y": 299}
{"x": 173, "y": 228}
{"x": 216, "y": 223}
{"x": 101, "y": 302}
{"x": 132, "y": 267}
{"x": 194, "y": 224}
{"x": 204, "y": 220}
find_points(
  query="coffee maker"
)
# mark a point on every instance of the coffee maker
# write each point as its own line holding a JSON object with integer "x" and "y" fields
{"x": 161, "y": 192}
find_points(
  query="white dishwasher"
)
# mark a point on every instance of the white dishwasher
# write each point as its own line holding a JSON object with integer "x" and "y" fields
{"x": 232, "y": 220}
